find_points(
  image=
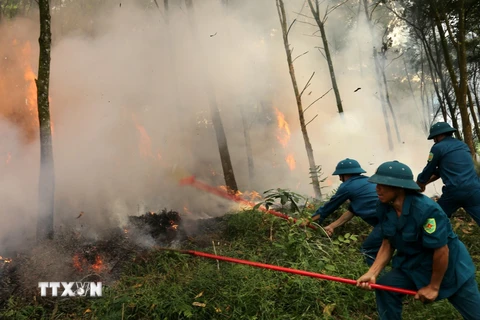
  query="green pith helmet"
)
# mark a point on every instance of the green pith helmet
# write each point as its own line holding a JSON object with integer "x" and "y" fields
{"x": 395, "y": 174}
{"x": 348, "y": 166}
{"x": 439, "y": 128}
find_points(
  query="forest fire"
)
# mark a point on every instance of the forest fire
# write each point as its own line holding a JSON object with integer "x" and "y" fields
{"x": 283, "y": 138}
{"x": 81, "y": 263}
{"x": 5, "y": 260}
{"x": 284, "y": 130}
{"x": 145, "y": 143}
{"x": 290, "y": 161}
{"x": 31, "y": 90}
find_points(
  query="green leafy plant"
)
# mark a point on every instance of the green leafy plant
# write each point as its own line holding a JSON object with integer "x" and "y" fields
{"x": 284, "y": 196}
{"x": 318, "y": 172}
{"x": 347, "y": 238}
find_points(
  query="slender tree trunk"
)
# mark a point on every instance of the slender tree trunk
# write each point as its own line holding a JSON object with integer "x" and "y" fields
{"x": 443, "y": 83}
{"x": 463, "y": 86}
{"x": 477, "y": 100}
{"x": 227, "y": 167}
{"x": 437, "y": 90}
{"x": 381, "y": 67}
{"x": 47, "y": 175}
{"x": 458, "y": 88}
{"x": 424, "y": 122}
{"x": 321, "y": 26}
{"x": 248, "y": 147}
{"x": 379, "y": 82}
{"x": 308, "y": 146}
{"x": 476, "y": 129}
{"x": 475, "y": 88}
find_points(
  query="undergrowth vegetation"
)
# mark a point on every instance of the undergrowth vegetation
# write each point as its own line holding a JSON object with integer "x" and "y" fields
{"x": 173, "y": 285}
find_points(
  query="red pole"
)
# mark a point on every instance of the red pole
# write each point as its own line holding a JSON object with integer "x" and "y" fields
{"x": 200, "y": 185}
{"x": 295, "y": 271}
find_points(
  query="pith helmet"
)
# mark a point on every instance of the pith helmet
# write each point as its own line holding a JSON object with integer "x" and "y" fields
{"x": 348, "y": 166}
{"x": 439, "y": 128}
{"x": 395, "y": 174}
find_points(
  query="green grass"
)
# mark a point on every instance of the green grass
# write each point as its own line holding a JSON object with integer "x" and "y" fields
{"x": 172, "y": 285}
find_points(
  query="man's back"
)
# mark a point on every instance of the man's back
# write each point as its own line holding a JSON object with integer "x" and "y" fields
{"x": 456, "y": 166}
{"x": 363, "y": 198}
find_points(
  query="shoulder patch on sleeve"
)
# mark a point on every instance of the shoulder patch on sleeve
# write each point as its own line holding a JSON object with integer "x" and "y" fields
{"x": 430, "y": 156}
{"x": 430, "y": 225}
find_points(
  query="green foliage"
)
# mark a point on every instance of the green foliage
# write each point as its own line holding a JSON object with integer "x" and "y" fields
{"x": 284, "y": 196}
{"x": 170, "y": 285}
{"x": 317, "y": 172}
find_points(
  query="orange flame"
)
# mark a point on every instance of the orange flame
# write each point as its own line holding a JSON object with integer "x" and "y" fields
{"x": 145, "y": 143}
{"x": 252, "y": 195}
{"x": 98, "y": 265}
{"x": 290, "y": 161}
{"x": 31, "y": 94}
{"x": 226, "y": 189}
{"x": 284, "y": 130}
{"x": 78, "y": 261}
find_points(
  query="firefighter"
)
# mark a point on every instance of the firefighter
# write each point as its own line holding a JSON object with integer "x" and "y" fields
{"x": 429, "y": 256}
{"x": 362, "y": 198}
{"x": 450, "y": 159}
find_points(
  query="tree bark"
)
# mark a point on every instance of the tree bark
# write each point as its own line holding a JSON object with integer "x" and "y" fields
{"x": 321, "y": 26}
{"x": 459, "y": 87}
{"x": 47, "y": 174}
{"x": 227, "y": 167}
{"x": 379, "y": 82}
{"x": 472, "y": 112}
{"x": 381, "y": 68}
{"x": 463, "y": 86}
{"x": 248, "y": 147}
{"x": 308, "y": 146}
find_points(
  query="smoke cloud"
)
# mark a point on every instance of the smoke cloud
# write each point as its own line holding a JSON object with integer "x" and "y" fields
{"x": 131, "y": 89}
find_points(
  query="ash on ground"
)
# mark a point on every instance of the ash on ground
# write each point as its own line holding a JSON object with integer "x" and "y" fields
{"x": 72, "y": 256}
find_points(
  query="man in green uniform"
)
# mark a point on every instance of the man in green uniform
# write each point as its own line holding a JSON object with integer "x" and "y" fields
{"x": 450, "y": 159}
{"x": 429, "y": 256}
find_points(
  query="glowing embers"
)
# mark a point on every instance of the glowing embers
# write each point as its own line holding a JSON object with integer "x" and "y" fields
{"x": 88, "y": 262}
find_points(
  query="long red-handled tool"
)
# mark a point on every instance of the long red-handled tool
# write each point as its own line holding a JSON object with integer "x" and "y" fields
{"x": 200, "y": 185}
{"x": 288, "y": 270}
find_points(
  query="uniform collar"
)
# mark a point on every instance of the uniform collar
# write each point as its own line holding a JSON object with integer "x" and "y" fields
{"x": 402, "y": 220}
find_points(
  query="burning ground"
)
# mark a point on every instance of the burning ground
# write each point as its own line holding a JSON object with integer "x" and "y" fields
{"x": 78, "y": 256}
{"x": 142, "y": 282}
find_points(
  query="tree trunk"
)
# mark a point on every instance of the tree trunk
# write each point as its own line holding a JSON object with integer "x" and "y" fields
{"x": 381, "y": 67}
{"x": 308, "y": 146}
{"x": 321, "y": 26}
{"x": 248, "y": 147}
{"x": 463, "y": 86}
{"x": 47, "y": 174}
{"x": 446, "y": 93}
{"x": 424, "y": 120}
{"x": 227, "y": 167}
{"x": 472, "y": 112}
{"x": 379, "y": 83}
{"x": 458, "y": 88}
